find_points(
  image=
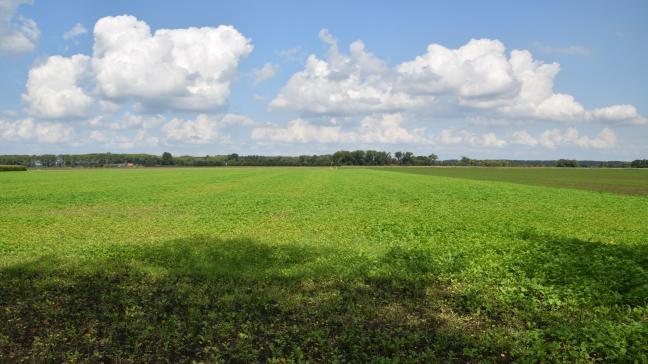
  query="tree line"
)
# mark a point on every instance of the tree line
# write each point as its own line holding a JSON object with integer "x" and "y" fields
{"x": 339, "y": 158}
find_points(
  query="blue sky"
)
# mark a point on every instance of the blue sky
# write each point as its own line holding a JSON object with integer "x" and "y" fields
{"x": 501, "y": 80}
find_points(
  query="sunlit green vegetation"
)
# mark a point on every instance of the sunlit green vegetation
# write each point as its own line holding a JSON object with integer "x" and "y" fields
{"x": 319, "y": 264}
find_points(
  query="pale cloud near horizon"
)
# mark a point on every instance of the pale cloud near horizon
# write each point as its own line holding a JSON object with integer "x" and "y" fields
{"x": 41, "y": 132}
{"x": 374, "y": 129}
{"x": 389, "y": 129}
{"x": 204, "y": 129}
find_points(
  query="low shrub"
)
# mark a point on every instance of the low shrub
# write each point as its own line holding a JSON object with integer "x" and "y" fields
{"x": 12, "y": 168}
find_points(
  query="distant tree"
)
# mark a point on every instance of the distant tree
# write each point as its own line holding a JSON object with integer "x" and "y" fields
{"x": 572, "y": 163}
{"x": 399, "y": 156}
{"x": 167, "y": 159}
{"x": 433, "y": 158}
{"x": 465, "y": 161}
{"x": 342, "y": 157}
{"x": 358, "y": 157}
{"x": 639, "y": 163}
{"x": 408, "y": 158}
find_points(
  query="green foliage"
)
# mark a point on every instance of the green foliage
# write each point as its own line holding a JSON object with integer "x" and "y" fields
{"x": 339, "y": 158}
{"x": 319, "y": 265}
{"x": 167, "y": 159}
{"x": 567, "y": 163}
{"x": 12, "y": 168}
{"x": 639, "y": 163}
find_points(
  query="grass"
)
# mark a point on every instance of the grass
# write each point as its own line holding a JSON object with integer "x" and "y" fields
{"x": 309, "y": 264}
{"x": 626, "y": 181}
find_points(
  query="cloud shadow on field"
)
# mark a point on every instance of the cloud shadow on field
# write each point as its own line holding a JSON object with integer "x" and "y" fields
{"x": 236, "y": 300}
{"x": 242, "y": 300}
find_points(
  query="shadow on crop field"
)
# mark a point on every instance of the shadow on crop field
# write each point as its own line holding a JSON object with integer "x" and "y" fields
{"x": 242, "y": 300}
{"x": 232, "y": 300}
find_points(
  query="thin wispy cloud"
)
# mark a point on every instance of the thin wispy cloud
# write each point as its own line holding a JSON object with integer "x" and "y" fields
{"x": 75, "y": 31}
{"x": 578, "y": 50}
{"x": 264, "y": 73}
{"x": 18, "y": 34}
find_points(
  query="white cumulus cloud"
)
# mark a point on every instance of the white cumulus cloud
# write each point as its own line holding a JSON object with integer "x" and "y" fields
{"x": 54, "y": 88}
{"x": 478, "y": 78}
{"x": 358, "y": 83}
{"x": 619, "y": 113}
{"x": 178, "y": 69}
{"x": 17, "y": 34}
{"x": 171, "y": 69}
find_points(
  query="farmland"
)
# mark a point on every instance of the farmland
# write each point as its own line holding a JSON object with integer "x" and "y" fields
{"x": 319, "y": 264}
{"x": 626, "y": 181}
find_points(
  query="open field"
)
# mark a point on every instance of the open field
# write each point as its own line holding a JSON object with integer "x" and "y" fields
{"x": 317, "y": 264}
{"x": 626, "y": 181}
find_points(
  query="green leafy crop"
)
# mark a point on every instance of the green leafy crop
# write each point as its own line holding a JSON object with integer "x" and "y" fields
{"x": 317, "y": 264}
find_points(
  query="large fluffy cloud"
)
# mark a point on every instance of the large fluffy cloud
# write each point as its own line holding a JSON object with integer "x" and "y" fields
{"x": 171, "y": 69}
{"x": 54, "y": 88}
{"x": 182, "y": 69}
{"x": 17, "y": 34}
{"x": 359, "y": 83}
{"x": 476, "y": 78}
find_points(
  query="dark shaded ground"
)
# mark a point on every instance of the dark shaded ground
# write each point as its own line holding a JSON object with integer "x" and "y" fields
{"x": 246, "y": 301}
